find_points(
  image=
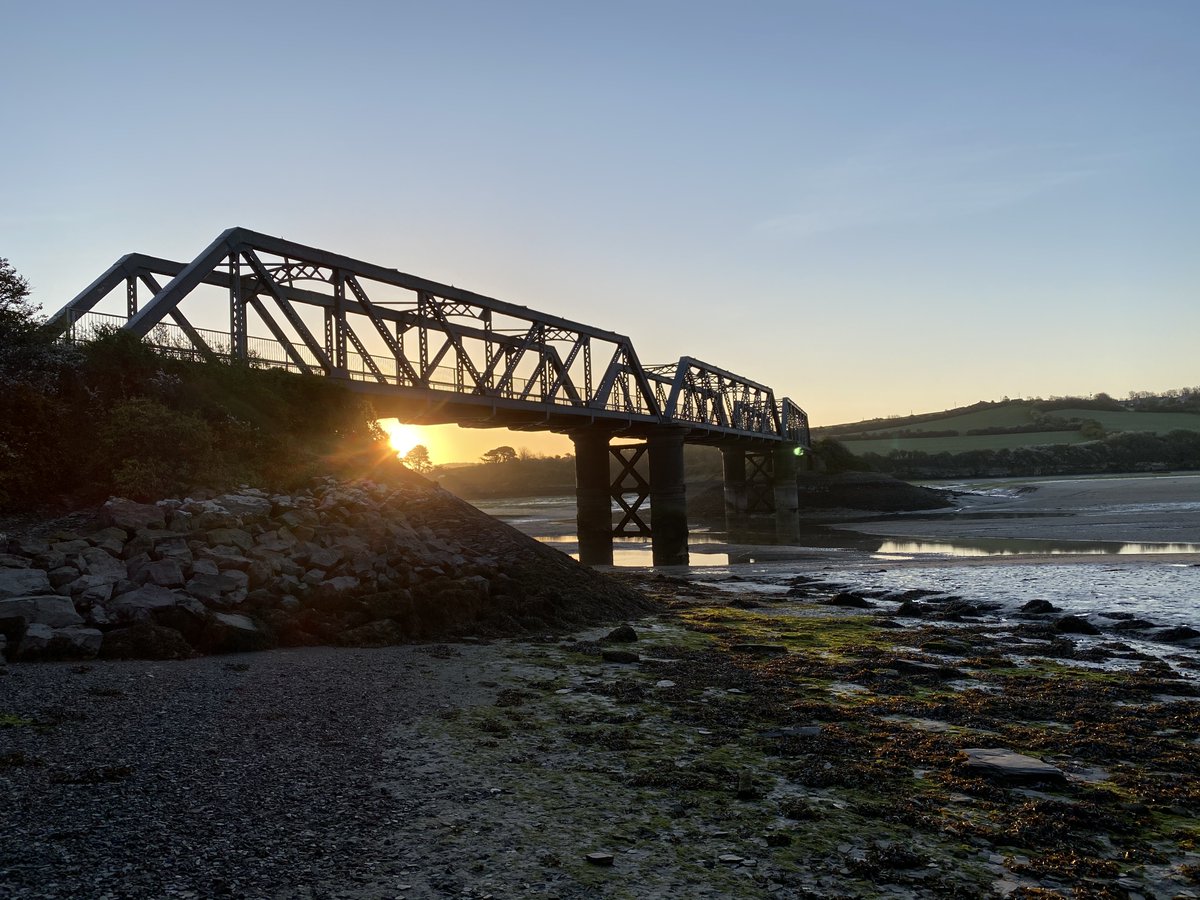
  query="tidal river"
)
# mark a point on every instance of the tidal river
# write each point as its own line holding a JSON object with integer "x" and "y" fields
{"x": 1120, "y": 545}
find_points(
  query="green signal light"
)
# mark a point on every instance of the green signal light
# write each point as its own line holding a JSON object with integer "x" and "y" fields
{"x": 799, "y": 451}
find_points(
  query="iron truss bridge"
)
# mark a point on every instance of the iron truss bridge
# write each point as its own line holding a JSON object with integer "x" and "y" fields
{"x": 427, "y": 352}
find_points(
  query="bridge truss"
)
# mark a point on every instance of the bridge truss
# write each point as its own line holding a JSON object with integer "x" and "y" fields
{"x": 426, "y": 351}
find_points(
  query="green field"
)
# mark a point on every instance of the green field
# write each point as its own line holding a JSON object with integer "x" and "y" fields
{"x": 963, "y": 443}
{"x": 1009, "y": 416}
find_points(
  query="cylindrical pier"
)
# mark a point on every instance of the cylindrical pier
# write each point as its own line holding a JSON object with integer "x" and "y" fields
{"x": 668, "y": 499}
{"x": 593, "y": 503}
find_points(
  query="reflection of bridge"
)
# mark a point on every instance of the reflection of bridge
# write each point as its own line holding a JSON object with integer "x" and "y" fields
{"x": 432, "y": 353}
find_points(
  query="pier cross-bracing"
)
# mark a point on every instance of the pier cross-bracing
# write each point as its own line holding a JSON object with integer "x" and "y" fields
{"x": 432, "y": 353}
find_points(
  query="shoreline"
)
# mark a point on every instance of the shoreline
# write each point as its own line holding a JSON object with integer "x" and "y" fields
{"x": 750, "y": 745}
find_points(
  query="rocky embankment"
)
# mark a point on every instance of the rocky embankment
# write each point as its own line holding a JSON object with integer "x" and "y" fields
{"x": 349, "y": 563}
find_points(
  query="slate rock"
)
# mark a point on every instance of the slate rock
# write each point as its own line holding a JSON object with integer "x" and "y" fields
{"x": 1008, "y": 767}
{"x": 600, "y": 859}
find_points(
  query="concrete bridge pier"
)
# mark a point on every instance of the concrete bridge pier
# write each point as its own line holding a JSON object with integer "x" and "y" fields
{"x": 668, "y": 498}
{"x": 787, "y": 495}
{"x": 593, "y": 497}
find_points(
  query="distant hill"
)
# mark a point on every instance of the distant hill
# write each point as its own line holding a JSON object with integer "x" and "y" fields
{"x": 1019, "y": 437}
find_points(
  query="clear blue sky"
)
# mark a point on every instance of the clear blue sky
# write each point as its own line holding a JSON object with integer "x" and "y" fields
{"x": 875, "y": 207}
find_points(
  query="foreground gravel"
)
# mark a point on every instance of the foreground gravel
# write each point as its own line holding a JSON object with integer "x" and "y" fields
{"x": 236, "y": 776}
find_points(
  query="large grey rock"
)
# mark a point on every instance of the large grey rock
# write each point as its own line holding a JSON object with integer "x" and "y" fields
{"x": 89, "y": 589}
{"x": 52, "y": 611}
{"x": 324, "y": 558}
{"x": 1013, "y": 768}
{"x": 343, "y": 584}
{"x": 234, "y": 537}
{"x": 62, "y": 576}
{"x": 11, "y": 561}
{"x": 205, "y": 587}
{"x": 23, "y": 582}
{"x": 139, "y": 605}
{"x": 94, "y": 561}
{"x": 132, "y": 516}
{"x": 165, "y": 573}
{"x": 245, "y": 505}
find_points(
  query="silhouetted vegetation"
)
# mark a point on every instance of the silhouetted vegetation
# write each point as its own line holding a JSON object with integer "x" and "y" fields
{"x": 1127, "y": 452}
{"x": 113, "y": 417}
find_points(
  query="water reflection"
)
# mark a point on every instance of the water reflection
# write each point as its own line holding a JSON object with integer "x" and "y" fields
{"x": 1026, "y": 547}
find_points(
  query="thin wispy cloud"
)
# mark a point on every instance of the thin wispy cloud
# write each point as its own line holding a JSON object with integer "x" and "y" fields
{"x": 896, "y": 184}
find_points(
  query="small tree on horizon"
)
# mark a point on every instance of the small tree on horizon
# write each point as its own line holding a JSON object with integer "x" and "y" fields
{"x": 500, "y": 454}
{"x": 418, "y": 460}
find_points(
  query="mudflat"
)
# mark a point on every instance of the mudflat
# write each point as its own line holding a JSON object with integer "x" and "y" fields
{"x": 1124, "y": 509}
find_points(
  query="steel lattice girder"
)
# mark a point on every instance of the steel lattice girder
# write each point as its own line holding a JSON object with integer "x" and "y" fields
{"x": 557, "y": 381}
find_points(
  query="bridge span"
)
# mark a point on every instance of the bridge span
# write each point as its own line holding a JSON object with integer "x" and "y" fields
{"x": 431, "y": 353}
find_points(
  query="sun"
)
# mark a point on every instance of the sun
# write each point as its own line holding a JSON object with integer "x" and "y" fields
{"x": 402, "y": 437}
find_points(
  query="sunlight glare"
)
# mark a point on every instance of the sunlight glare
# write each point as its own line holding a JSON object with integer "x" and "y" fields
{"x": 402, "y": 437}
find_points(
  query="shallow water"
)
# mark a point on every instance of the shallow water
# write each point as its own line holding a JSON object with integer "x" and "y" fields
{"x": 1118, "y": 576}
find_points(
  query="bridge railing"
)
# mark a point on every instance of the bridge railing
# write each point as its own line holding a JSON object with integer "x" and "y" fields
{"x": 172, "y": 341}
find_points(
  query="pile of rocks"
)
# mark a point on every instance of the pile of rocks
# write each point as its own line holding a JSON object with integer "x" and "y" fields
{"x": 360, "y": 563}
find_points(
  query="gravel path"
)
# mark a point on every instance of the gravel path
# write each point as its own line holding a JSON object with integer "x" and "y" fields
{"x": 236, "y": 776}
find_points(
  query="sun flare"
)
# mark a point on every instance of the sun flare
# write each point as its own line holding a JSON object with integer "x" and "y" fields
{"x": 402, "y": 437}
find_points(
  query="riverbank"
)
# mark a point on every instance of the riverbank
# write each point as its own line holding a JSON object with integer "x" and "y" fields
{"x": 746, "y": 744}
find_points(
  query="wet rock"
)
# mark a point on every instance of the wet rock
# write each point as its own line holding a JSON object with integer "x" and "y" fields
{"x": 1134, "y": 624}
{"x": 911, "y": 609}
{"x": 600, "y": 859}
{"x": 24, "y": 582}
{"x": 1008, "y": 767}
{"x": 849, "y": 600}
{"x": 619, "y": 656}
{"x": 1037, "y": 607}
{"x": 745, "y": 787}
{"x": 622, "y": 634}
{"x": 1075, "y": 625}
{"x": 794, "y": 731}
{"x": 932, "y": 670}
{"x": 1176, "y": 635}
